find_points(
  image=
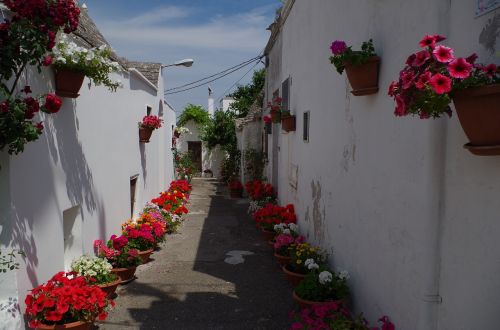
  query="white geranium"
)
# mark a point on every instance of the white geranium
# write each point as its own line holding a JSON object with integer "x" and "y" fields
{"x": 325, "y": 277}
{"x": 293, "y": 227}
{"x": 91, "y": 266}
{"x": 344, "y": 275}
{"x": 253, "y": 207}
{"x": 311, "y": 264}
{"x": 286, "y": 231}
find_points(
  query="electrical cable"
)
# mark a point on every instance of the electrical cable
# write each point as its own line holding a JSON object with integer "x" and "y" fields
{"x": 243, "y": 64}
{"x": 227, "y": 90}
{"x": 205, "y": 83}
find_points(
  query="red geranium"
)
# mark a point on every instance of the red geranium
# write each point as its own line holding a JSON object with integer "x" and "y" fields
{"x": 52, "y": 104}
{"x": 258, "y": 190}
{"x": 66, "y": 298}
{"x": 151, "y": 122}
{"x": 271, "y": 215}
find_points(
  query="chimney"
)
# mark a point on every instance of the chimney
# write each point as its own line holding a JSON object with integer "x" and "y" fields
{"x": 211, "y": 109}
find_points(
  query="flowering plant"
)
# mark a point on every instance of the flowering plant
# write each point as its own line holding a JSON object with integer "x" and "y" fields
{"x": 139, "y": 236}
{"x": 181, "y": 185}
{"x": 172, "y": 201}
{"x": 333, "y": 316}
{"x": 343, "y": 54}
{"x": 95, "y": 269}
{"x": 426, "y": 83}
{"x": 267, "y": 119}
{"x": 95, "y": 63}
{"x": 276, "y": 107}
{"x": 305, "y": 258}
{"x": 171, "y": 222}
{"x": 66, "y": 298}
{"x": 151, "y": 122}
{"x": 271, "y": 215}
{"x": 235, "y": 185}
{"x": 283, "y": 242}
{"x": 118, "y": 252}
{"x": 323, "y": 285}
{"x": 181, "y": 130}
{"x": 258, "y": 190}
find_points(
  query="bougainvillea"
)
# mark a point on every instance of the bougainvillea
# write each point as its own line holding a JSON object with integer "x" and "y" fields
{"x": 66, "y": 298}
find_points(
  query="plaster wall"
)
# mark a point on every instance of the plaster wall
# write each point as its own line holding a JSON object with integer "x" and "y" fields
{"x": 396, "y": 201}
{"x": 84, "y": 159}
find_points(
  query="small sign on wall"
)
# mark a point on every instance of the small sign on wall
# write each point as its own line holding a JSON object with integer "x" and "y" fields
{"x": 485, "y": 6}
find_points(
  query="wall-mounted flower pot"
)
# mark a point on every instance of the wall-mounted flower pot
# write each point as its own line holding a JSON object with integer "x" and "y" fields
{"x": 275, "y": 116}
{"x": 145, "y": 134}
{"x": 288, "y": 123}
{"x": 478, "y": 110}
{"x": 364, "y": 78}
{"x": 68, "y": 83}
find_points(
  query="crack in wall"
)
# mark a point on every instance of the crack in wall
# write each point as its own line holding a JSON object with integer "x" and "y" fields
{"x": 318, "y": 214}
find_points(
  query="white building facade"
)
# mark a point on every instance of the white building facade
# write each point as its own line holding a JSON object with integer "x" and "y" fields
{"x": 398, "y": 202}
{"x": 84, "y": 176}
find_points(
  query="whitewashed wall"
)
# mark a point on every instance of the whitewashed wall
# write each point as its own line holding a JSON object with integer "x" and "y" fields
{"x": 396, "y": 201}
{"x": 83, "y": 161}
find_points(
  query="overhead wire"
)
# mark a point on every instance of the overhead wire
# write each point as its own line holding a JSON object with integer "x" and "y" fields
{"x": 246, "y": 73}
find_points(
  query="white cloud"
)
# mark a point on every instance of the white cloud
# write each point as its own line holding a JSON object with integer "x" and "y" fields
{"x": 159, "y": 15}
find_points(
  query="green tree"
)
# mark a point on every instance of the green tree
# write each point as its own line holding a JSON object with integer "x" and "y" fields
{"x": 246, "y": 95}
{"x": 195, "y": 113}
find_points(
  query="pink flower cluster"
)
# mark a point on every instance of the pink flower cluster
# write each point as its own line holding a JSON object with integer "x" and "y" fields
{"x": 152, "y": 122}
{"x": 102, "y": 250}
{"x": 431, "y": 74}
{"x": 284, "y": 240}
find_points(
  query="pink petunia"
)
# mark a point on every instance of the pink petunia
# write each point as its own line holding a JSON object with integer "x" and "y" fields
{"x": 443, "y": 54}
{"x": 440, "y": 83}
{"x": 459, "y": 68}
{"x": 428, "y": 41}
{"x": 490, "y": 70}
{"x": 421, "y": 57}
{"x": 407, "y": 78}
{"x": 400, "y": 107}
{"x": 423, "y": 80}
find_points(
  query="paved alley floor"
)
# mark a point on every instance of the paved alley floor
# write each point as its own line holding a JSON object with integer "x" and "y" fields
{"x": 216, "y": 273}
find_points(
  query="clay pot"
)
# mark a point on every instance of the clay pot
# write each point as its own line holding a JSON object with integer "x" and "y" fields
{"x": 275, "y": 116}
{"x": 292, "y": 277}
{"x": 145, "y": 134}
{"x": 288, "y": 123}
{"x": 282, "y": 260}
{"x": 73, "y": 325}
{"x": 268, "y": 234}
{"x": 125, "y": 274}
{"x": 236, "y": 193}
{"x": 364, "y": 78}
{"x": 110, "y": 288}
{"x": 68, "y": 83}
{"x": 478, "y": 110}
{"x": 145, "y": 255}
{"x": 308, "y": 303}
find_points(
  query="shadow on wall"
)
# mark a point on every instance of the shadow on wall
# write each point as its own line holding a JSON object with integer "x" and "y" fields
{"x": 142, "y": 148}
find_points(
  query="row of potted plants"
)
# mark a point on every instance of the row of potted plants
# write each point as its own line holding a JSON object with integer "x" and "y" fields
{"x": 322, "y": 293}
{"x": 77, "y": 298}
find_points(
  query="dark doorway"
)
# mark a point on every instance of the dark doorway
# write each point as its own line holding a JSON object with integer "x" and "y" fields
{"x": 194, "y": 149}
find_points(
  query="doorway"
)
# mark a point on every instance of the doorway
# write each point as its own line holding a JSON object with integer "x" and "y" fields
{"x": 194, "y": 149}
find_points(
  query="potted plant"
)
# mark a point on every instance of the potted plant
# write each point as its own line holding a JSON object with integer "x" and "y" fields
{"x": 282, "y": 244}
{"x": 268, "y": 122}
{"x": 179, "y": 130}
{"x": 72, "y": 63}
{"x": 287, "y": 121}
{"x": 271, "y": 215}
{"x": 235, "y": 189}
{"x": 140, "y": 237}
{"x": 97, "y": 271}
{"x": 123, "y": 258}
{"x": 304, "y": 259}
{"x": 66, "y": 301}
{"x": 147, "y": 126}
{"x": 433, "y": 77}
{"x": 362, "y": 67}
{"x": 322, "y": 286}
{"x": 258, "y": 190}
{"x": 275, "y": 109}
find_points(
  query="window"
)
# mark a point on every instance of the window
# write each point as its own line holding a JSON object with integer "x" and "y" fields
{"x": 148, "y": 110}
{"x": 133, "y": 193}
{"x": 305, "y": 135}
{"x": 285, "y": 94}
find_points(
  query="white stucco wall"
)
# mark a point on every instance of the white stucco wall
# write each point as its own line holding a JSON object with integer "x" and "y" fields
{"x": 84, "y": 159}
{"x": 396, "y": 201}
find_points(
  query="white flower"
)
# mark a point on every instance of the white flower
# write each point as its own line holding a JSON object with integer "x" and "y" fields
{"x": 293, "y": 227}
{"x": 344, "y": 275}
{"x": 325, "y": 277}
{"x": 286, "y": 231}
{"x": 311, "y": 264}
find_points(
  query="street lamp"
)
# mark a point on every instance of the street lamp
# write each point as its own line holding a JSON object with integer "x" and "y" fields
{"x": 187, "y": 62}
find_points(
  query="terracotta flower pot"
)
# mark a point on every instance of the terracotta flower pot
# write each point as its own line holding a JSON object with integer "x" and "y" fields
{"x": 275, "y": 116}
{"x": 268, "y": 234}
{"x": 288, "y": 123}
{"x": 478, "y": 110}
{"x": 73, "y": 325}
{"x": 145, "y": 134}
{"x": 236, "y": 193}
{"x": 282, "y": 260}
{"x": 292, "y": 277}
{"x": 68, "y": 83}
{"x": 364, "y": 78}
{"x": 110, "y": 288}
{"x": 308, "y": 303}
{"x": 125, "y": 274}
{"x": 145, "y": 255}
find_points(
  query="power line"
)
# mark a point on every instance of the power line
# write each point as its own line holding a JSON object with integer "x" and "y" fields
{"x": 227, "y": 90}
{"x": 243, "y": 64}
{"x": 207, "y": 82}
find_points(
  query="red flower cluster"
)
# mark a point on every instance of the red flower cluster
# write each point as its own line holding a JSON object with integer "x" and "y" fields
{"x": 66, "y": 298}
{"x": 235, "y": 185}
{"x": 271, "y": 215}
{"x": 152, "y": 122}
{"x": 181, "y": 185}
{"x": 258, "y": 190}
{"x": 275, "y": 105}
{"x": 52, "y": 103}
{"x": 267, "y": 119}
{"x": 175, "y": 198}
{"x": 431, "y": 74}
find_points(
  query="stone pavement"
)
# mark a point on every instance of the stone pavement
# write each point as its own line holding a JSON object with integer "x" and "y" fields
{"x": 216, "y": 273}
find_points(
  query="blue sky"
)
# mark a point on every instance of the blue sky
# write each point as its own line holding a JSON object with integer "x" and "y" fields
{"x": 217, "y": 34}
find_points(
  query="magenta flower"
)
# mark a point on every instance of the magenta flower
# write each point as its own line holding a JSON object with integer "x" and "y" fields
{"x": 443, "y": 54}
{"x": 459, "y": 68}
{"x": 407, "y": 78}
{"x": 400, "y": 107}
{"x": 490, "y": 70}
{"x": 421, "y": 57}
{"x": 338, "y": 47}
{"x": 472, "y": 58}
{"x": 427, "y": 41}
{"x": 423, "y": 79}
{"x": 440, "y": 84}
